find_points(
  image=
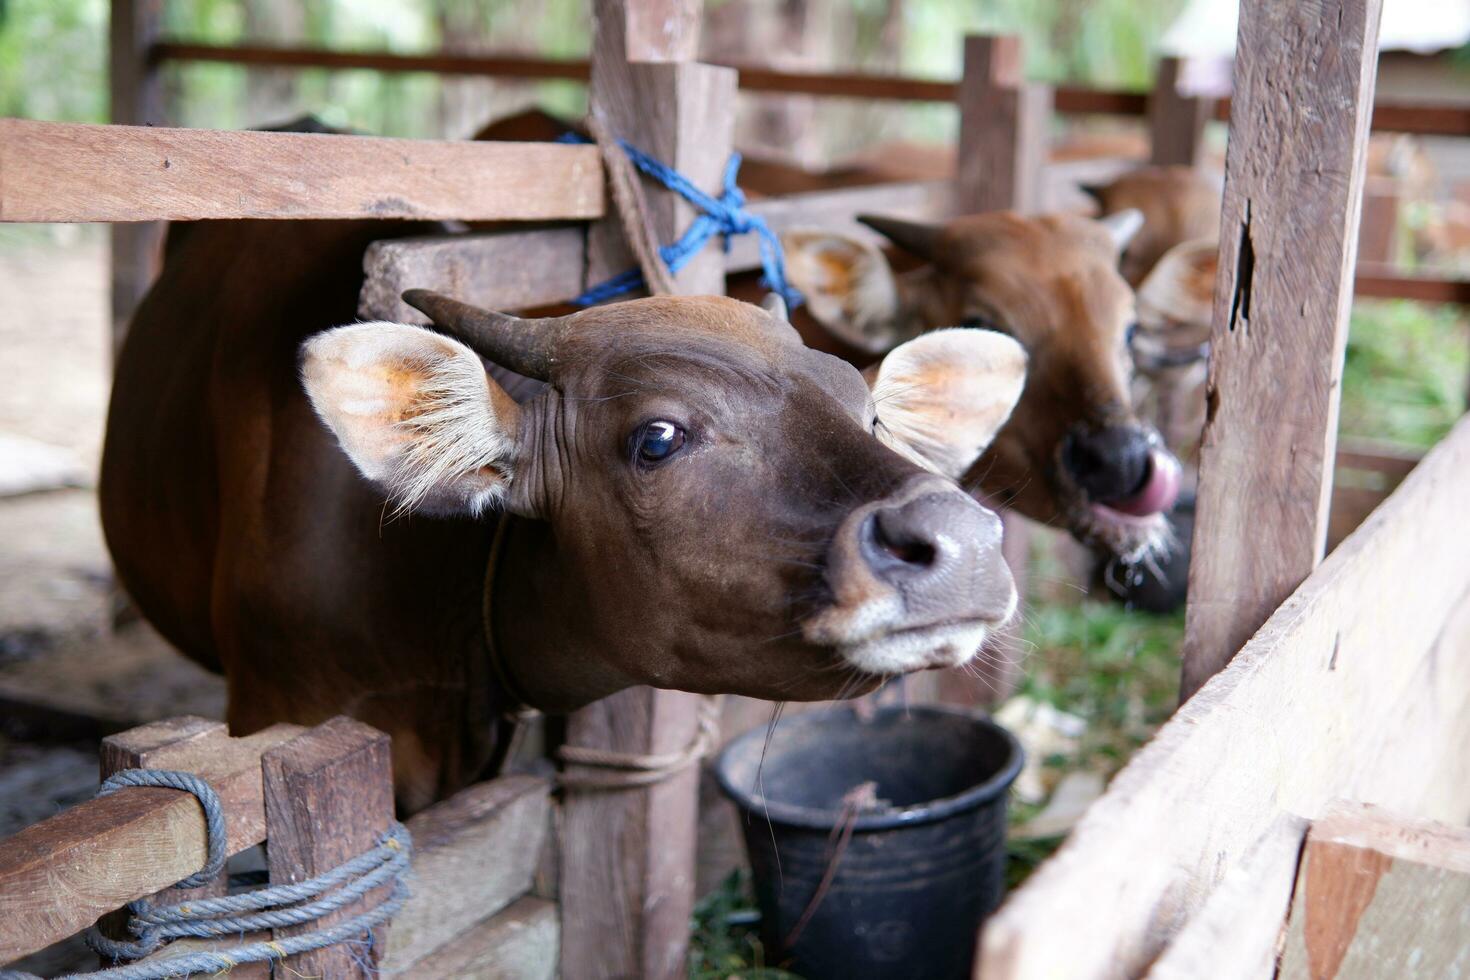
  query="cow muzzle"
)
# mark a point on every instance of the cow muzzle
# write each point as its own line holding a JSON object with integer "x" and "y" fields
{"x": 917, "y": 580}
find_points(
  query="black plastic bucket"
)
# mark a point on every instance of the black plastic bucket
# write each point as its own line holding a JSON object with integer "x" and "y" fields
{"x": 908, "y": 891}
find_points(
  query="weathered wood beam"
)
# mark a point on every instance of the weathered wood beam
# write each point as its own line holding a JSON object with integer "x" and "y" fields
{"x": 1003, "y": 129}
{"x": 627, "y": 855}
{"x": 58, "y": 876}
{"x": 1176, "y": 122}
{"x": 76, "y": 172}
{"x": 473, "y": 855}
{"x": 1236, "y": 935}
{"x": 1288, "y": 245}
{"x": 512, "y": 270}
{"x": 1379, "y": 895}
{"x": 329, "y": 798}
{"x": 1358, "y": 685}
{"x": 136, "y": 99}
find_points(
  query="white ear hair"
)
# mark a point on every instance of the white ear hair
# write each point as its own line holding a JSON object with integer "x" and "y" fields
{"x": 944, "y": 395}
{"x": 1123, "y": 225}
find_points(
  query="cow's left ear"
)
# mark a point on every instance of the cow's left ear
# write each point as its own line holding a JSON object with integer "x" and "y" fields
{"x": 848, "y": 286}
{"x": 943, "y": 396}
{"x": 416, "y": 413}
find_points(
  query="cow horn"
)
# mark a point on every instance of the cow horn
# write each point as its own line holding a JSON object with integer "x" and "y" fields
{"x": 1122, "y": 226}
{"x": 912, "y": 236}
{"x": 526, "y": 347}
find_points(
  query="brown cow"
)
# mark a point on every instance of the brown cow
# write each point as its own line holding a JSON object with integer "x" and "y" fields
{"x": 669, "y": 491}
{"x": 1074, "y": 451}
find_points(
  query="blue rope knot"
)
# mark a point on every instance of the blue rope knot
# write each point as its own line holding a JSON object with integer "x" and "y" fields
{"x": 724, "y": 215}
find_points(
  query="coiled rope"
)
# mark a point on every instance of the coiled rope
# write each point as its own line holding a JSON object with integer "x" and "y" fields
{"x": 273, "y": 907}
{"x": 626, "y": 770}
{"x": 724, "y": 215}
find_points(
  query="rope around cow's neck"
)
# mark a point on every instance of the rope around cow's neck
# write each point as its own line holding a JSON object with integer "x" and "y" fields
{"x": 619, "y": 770}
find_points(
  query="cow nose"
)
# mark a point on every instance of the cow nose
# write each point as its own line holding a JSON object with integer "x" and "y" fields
{"x": 934, "y": 548}
{"x": 1110, "y": 463}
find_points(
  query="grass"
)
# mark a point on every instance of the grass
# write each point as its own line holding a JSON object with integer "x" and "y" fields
{"x": 725, "y": 944}
{"x": 1406, "y": 371}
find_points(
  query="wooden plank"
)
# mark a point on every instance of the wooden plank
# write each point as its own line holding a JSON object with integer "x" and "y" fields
{"x": 60, "y": 875}
{"x": 510, "y": 270}
{"x": 473, "y": 855}
{"x": 518, "y": 944}
{"x": 329, "y": 797}
{"x": 627, "y": 856}
{"x": 1288, "y": 244}
{"x": 1357, "y": 686}
{"x": 1237, "y": 934}
{"x": 74, "y": 172}
{"x": 136, "y": 99}
{"x": 1380, "y": 896}
{"x": 1003, "y": 127}
{"x": 1377, "y": 282}
{"x": 1176, "y": 122}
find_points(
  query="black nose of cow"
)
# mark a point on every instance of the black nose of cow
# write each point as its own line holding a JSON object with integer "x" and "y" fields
{"x": 1108, "y": 463}
{"x": 938, "y": 549}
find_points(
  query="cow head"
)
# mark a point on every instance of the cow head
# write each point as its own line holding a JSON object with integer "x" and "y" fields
{"x": 719, "y": 508}
{"x": 1178, "y": 204}
{"x": 1074, "y": 452}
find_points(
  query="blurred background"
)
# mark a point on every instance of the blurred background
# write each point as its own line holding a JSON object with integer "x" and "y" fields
{"x": 71, "y": 661}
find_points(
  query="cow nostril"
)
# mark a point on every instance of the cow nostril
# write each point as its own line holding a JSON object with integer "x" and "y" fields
{"x": 903, "y": 547}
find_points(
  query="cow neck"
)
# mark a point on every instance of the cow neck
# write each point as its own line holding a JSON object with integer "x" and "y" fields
{"x": 516, "y": 708}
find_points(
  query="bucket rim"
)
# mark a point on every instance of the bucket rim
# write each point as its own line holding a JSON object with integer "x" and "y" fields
{"x": 811, "y": 818}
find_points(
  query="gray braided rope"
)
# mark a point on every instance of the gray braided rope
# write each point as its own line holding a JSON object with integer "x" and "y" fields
{"x": 274, "y": 907}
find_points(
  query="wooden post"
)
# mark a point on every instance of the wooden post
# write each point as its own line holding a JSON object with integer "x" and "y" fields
{"x": 627, "y": 869}
{"x": 328, "y": 798}
{"x": 1288, "y": 246}
{"x": 1003, "y": 145}
{"x": 136, "y": 99}
{"x": 1176, "y": 122}
{"x": 1003, "y": 129}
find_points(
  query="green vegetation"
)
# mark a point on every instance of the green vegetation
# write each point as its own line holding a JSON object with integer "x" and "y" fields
{"x": 1406, "y": 371}
{"x": 725, "y": 944}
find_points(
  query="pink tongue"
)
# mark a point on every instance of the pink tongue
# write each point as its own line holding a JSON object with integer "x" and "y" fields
{"x": 1159, "y": 493}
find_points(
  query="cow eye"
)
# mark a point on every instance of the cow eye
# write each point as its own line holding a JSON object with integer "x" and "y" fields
{"x": 658, "y": 440}
{"x": 979, "y": 321}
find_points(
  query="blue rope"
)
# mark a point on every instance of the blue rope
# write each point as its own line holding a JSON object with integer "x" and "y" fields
{"x": 724, "y": 215}
{"x": 275, "y": 907}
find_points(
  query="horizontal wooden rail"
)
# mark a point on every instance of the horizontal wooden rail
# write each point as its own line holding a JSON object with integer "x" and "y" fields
{"x": 1074, "y": 100}
{"x": 1373, "y": 283}
{"x": 511, "y": 270}
{"x": 73, "y": 172}
{"x": 58, "y": 876}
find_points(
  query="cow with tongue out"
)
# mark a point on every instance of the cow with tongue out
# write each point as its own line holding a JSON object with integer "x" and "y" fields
{"x": 1074, "y": 452}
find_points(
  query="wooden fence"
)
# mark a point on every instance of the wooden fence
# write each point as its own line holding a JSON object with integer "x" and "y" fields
{"x": 1354, "y": 687}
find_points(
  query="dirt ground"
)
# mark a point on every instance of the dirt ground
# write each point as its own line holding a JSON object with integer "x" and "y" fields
{"x": 66, "y": 674}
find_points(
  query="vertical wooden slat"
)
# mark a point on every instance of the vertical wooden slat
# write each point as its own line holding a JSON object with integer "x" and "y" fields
{"x": 1176, "y": 122}
{"x": 328, "y": 798}
{"x": 136, "y": 99}
{"x": 1003, "y": 145}
{"x": 1304, "y": 76}
{"x": 1003, "y": 128}
{"x": 627, "y": 858}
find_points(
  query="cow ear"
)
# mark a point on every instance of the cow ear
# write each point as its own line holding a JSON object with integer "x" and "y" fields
{"x": 943, "y": 396}
{"x": 848, "y": 286}
{"x": 1178, "y": 294}
{"x": 416, "y": 413}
